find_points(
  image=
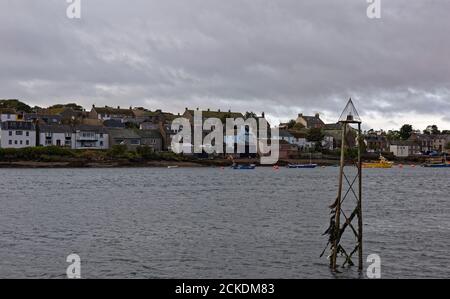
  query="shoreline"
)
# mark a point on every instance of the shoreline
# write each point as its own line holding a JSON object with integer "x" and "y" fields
{"x": 164, "y": 164}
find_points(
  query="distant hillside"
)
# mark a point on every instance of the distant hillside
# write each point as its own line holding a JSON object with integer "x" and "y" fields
{"x": 15, "y": 104}
{"x": 74, "y": 106}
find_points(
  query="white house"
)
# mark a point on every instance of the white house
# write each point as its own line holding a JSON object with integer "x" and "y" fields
{"x": 8, "y": 115}
{"x": 56, "y": 135}
{"x": 404, "y": 148}
{"x": 90, "y": 137}
{"x": 17, "y": 134}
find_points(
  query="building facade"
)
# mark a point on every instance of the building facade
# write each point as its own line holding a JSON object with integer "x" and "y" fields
{"x": 8, "y": 114}
{"x": 17, "y": 134}
{"x": 90, "y": 137}
{"x": 56, "y": 135}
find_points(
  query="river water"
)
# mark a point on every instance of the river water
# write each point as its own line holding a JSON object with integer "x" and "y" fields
{"x": 215, "y": 223}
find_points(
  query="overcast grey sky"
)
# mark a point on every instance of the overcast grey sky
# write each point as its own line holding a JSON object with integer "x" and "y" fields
{"x": 279, "y": 56}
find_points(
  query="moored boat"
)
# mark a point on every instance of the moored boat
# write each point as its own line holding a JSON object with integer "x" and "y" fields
{"x": 438, "y": 162}
{"x": 302, "y": 165}
{"x": 244, "y": 167}
{"x": 382, "y": 163}
{"x": 440, "y": 165}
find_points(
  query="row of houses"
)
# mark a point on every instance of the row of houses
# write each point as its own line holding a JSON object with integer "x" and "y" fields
{"x": 104, "y": 127}
{"x": 417, "y": 144}
{"x": 74, "y": 129}
{"x": 100, "y": 128}
{"x": 20, "y": 134}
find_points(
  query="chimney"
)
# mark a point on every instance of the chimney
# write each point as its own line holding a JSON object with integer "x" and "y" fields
{"x": 218, "y": 110}
{"x": 131, "y": 108}
{"x": 93, "y": 105}
{"x": 317, "y": 115}
{"x": 208, "y": 110}
{"x": 118, "y": 107}
{"x": 300, "y": 115}
{"x": 229, "y": 110}
{"x": 186, "y": 109}
{"x": 198, "y": 108}
{"x": 263, "y": 114}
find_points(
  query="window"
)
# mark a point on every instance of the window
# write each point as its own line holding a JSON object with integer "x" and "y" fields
{"x": 19, "y": 133}
{"x": 21, "y": 142}
{"x": 15, "y": 141}
{"x": 8, "y": 116}
{"x": 27, "y": 134}
{"x": 88, "y": 134}
{"x": 101, "y": 143}
{"x": 27, "y": 142}
{"x": 10, "y": 142}
{"x": 101, "y": 135}
{"x": 10, "y": 133}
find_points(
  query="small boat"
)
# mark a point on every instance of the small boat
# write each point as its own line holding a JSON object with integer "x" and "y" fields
{"x": 302, "y": 165}
{"x": 310, "y": 165}
{"x": 438, "y": 163}
{"x": 171, "y": 167}
{"x": 382, "y": 163}
{"x": 244, "y": 167}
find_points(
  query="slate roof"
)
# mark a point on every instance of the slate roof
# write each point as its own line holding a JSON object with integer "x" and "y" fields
{"x": 98, "y": 129}
{"x": 123, "y": 134}
{"x": 149, "y": 133}
{"x": 312, "y": 121}
{"x": 55, "y": 129}
{"x": 113, "y": 123}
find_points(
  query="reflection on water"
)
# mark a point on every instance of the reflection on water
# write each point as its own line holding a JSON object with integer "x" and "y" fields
{"x": 214, "y": 223}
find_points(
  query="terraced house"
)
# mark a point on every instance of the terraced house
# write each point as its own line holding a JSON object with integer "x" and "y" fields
{"x": 56, "y": 135}
{"x": 17, "y": 134}
{"x": 8, "y": 114}
{"x": 90, "y": 137}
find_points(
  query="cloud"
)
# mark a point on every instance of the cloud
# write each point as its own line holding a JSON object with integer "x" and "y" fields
{"x": 282, "y": 57}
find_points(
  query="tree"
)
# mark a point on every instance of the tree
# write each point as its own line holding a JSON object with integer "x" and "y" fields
{"x": 315, "y": 135}
{"x": 432, "y": 130}
{"x": 447, "y": 146}
{"x": 15, "y": 104}
{"x": 250, "y": 115}
{"x": 405, "y": 132}
{"x": 291, "y": 124}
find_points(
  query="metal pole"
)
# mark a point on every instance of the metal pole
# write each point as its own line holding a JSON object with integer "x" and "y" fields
{"x": 360, "y": 222}
{"x": 339, "y": 199}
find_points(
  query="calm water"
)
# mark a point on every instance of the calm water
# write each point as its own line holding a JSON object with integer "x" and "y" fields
{"x": 213, "y": 223}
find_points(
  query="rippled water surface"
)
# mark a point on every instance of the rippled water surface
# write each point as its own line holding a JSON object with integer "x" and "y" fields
{"x": 214, "y": 223}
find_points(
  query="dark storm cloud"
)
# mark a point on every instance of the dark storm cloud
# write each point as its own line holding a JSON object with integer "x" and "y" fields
{"x": 282, "y": 57}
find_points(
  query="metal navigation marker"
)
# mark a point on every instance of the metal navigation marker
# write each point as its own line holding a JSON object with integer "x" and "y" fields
{"x": 350, "y": 114}
{"x": 336, "y": 231}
